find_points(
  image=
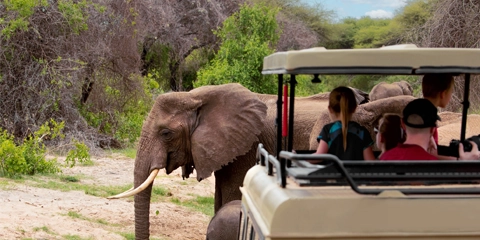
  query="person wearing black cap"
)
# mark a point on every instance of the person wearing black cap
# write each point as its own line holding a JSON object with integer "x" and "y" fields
{"x": 419, "y": 120}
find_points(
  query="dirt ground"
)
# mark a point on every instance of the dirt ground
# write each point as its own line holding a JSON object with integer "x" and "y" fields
{"x": 28, "y": 212}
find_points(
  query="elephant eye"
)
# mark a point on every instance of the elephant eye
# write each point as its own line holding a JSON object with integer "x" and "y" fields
{"x": 166, "y": 133}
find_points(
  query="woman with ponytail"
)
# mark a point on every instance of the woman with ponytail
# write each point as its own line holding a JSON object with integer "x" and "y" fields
{"x": 344, "y": 138}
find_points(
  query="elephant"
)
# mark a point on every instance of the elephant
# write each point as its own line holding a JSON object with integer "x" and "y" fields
{"x": 384, "y": 90}
{"x": 366, "y": 115}
{"x": 360, "y": 96}
{"x": 225, "y": 225}
{"x": 211, "y": 129}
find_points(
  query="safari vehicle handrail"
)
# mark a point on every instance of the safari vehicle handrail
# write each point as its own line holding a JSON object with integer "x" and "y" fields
{"x": 265, "y": 159}
{"x": 378, "y": 171}
{"x": 363, "y": 170}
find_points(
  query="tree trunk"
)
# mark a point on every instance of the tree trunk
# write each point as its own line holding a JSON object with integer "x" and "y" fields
{"x": 175, "y": 84}
{"x": 86, "y": 90}
{"x": 87, "y": 86}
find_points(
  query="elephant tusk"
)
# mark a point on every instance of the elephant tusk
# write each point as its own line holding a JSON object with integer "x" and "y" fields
{"x": 140, "y": 188}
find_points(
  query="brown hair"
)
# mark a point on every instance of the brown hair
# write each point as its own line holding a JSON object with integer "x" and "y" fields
{"x": 435, "y": 83}
{"x": 342, "y": 101}
{"x": 391, "y": 130}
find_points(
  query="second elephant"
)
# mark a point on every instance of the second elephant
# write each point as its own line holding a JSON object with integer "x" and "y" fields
{"x": 385, "y": 90}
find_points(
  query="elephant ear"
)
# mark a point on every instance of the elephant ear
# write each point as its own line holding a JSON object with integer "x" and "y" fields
{"x": 409, "y": 88}
{"x": 229, "y": 121}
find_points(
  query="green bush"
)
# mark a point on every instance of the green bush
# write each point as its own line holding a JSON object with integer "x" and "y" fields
{"x": 80, "y": 154}
{"x": 12, "y": 162}
{"x": 30, "y": 156}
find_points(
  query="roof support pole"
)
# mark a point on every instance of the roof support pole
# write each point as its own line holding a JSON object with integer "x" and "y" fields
{"x": 279, "y": 115}
{"x": 466, "y": 105}
{"x": 293, "y": 82}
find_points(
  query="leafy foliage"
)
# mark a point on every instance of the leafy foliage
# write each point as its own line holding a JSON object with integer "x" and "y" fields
{"x": 23, "y": 9}
{"x": 365, "y": 32}
{"x": 74, "y": 14}
{"x": 126, "y": 122}
{"x": 30, "y": 156}
{"x": 247, "y": 37}
{"x": 80, "y": 154}
{"x": 11, "y": 160}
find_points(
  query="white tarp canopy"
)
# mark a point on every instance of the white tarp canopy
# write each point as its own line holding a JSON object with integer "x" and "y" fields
{"x": 396, "y": 59}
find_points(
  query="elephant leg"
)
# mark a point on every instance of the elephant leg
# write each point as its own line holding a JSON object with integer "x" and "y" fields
{"x": 227, "y": 186}
{"x": 229, "y": 179}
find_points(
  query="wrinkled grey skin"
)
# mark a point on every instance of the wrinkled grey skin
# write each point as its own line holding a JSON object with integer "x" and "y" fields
{"x": 366, "y": 115}
{"x": 385, "y": 90}
{"x": 225, "y": 225}
{"x": 212, "y": 129}
{"x": 360, "y": 96}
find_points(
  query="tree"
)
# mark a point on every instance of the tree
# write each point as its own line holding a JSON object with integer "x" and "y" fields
{"x": 59, "y": 55}
{"x": 173, "y": 30}
{"x": 411, "y": 17}
{"x": 246, "y": 38}
{"x": 453, "y": 23}
{"x": 303, "y": 25}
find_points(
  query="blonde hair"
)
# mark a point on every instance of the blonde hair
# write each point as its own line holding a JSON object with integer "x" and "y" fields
{"x": 342, "y": 101}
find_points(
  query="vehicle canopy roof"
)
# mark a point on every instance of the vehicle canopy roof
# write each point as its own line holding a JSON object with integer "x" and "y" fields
{"x": 404, "y": 59}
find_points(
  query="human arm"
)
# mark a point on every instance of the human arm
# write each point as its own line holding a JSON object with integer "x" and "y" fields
{"x": 321, "y": 149}
{"x": 368, "y": 154}
{"x": 367, "y": 142}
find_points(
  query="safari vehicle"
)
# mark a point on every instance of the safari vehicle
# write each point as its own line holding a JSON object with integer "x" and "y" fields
{"x": 284, "y": 197}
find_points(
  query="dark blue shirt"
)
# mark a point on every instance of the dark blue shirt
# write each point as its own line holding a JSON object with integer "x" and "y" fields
{"x": 358, "y": 139}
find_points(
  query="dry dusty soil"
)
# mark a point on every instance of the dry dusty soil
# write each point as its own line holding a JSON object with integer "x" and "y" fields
{"x": 31, "y": 209}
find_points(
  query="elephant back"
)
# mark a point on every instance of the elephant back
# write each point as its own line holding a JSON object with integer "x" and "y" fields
{"x": 366, "y": 115}
{"x": 386, "y": 90}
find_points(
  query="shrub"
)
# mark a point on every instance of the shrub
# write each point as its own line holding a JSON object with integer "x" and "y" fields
{"x": 30, "y": 156}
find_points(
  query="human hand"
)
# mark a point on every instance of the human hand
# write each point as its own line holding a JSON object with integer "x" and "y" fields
{"x": 472, "y": 155}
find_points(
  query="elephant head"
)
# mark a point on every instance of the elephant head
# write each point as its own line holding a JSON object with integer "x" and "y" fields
{"x": 366, "y": 115}
{"x": 205, "y": 129}
{"x": 385, "y": 90}
{"x": 405, "y": 86}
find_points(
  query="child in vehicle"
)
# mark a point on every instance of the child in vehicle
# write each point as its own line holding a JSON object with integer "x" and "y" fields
{"x": 438, "y": 89}
{"x": 344, "y": 138}
{"x": 389, "y": 132}
{"x": 419, "y": 120}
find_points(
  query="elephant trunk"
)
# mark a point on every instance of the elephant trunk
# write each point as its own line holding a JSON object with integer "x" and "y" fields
{"x": 142, "y": 214}
{"x": 142, "y": 199}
